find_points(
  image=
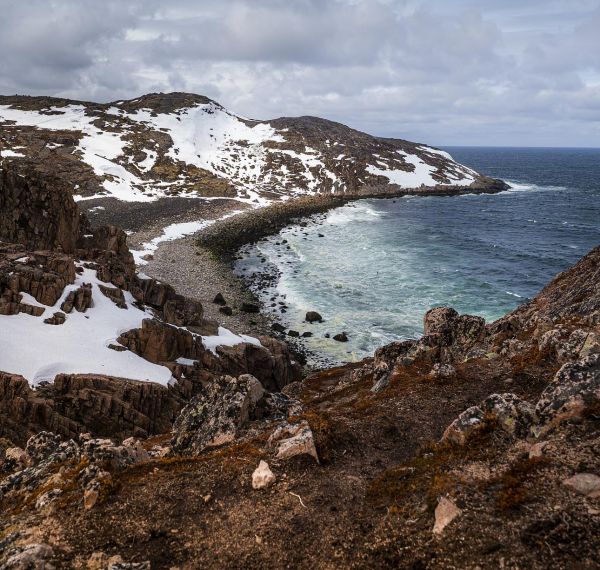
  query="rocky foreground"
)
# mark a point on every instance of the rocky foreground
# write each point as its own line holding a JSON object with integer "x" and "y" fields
{"x": 475, "y": 446}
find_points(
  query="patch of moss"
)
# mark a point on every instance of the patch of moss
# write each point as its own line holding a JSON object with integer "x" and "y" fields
{"x": 429, "y": 474}
{"x": 511, "y": 486}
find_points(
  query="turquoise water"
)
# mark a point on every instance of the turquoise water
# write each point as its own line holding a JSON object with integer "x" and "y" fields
{"x": 374, "y": 267}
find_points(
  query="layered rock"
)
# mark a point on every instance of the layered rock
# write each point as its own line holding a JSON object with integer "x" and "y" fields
{"x": 55, "y": 248}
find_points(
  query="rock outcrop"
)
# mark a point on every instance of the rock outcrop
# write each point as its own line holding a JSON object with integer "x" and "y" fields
{"x": 47, "y": 245}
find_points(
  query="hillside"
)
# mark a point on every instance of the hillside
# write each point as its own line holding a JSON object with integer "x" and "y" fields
{"x": 474, "y": 446}
{"x": 179, "y": 144}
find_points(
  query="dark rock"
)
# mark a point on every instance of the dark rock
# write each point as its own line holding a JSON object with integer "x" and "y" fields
{"x": 313, "y": 317}
{"x": 341, "y": 337}
{"x": 574, "y": 389}
{"x": 307, "y": 334}
{"x": 249, "y": 308}
{"x": 277, "y": 327}
{"x": 57, "y": 318}
{"x": 226, "y": 311}
{"x": 293, "y": 333}
{"x": 219, "y": 299}
{"x": 216, "y": 414}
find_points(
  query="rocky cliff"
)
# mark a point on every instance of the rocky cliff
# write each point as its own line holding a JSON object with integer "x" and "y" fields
{"x": 474, "y": 446}
{"x": 85, "y": 342}
{"x": 180, "y": 144}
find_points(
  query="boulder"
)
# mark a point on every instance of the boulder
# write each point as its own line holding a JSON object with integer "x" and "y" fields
{"x": 262, "y": 476}
{"x": 574, "y": 389}
{"x": 584, "y": 484}
{"x": 219, "y": 299}
{"x": 216, "y": 414}
{"x": 313, "y": 317}
{"x": 182, "y": 312}
{"x": 80, "y": 299}
{"x": 249, "y": 308}
{"x": 445, "y": 512}
{"x": 504, "y": 411}
{"x": 294, "y": 439}
{"x": 33, "y": 556}
{"x": 467, "y": 423}
{"x": 450, "y": 328}
{"x": 442, "y": 371}
{"x": 341, "y": 337}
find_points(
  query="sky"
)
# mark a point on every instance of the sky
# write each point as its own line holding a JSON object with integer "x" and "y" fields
{"x": 442, "y": 72}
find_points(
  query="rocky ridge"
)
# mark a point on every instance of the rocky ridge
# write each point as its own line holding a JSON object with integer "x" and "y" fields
{"x": 47, "y": 253}
{"x": 179, "y": 144}
{"x": 473, "y": 446}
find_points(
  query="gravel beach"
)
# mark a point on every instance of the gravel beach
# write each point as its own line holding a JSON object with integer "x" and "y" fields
{"x": 200, "y": 265}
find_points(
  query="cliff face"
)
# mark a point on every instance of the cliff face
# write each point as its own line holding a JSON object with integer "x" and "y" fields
{"x": 474, "y": 446}
{"x": 108, "y": 351}
{"x": 161, "y": 145}
{"x": 36, "y": 210}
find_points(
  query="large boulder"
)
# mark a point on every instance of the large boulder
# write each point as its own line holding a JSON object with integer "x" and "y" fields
{"x": 506, "y": 411}
{"x": 451, "y": 328}
{"x": 216, "y": 414}
{"x": 574, "y": 389}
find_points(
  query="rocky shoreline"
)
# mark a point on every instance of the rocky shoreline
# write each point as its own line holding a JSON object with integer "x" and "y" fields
{"x": 218, "y": 247}
{"x": 225, "y": 237}
{"x": 473, "y": 446}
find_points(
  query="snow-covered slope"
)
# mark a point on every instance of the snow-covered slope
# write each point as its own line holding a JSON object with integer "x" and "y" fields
{"x": 188, "y": 145}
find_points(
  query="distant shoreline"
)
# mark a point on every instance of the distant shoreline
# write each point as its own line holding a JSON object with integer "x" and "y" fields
{"x": 216, "y": 247}
{"x": 225, "y": 237}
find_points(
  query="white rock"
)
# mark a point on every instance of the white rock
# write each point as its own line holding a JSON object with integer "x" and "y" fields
{"x": 299, "y": 442}
{"x": 34, "y": 556}
{"x": 584, "y": 483}
{"x": 445, "y": 513}
{"x": 135, "y": 449}
{"x": 537, "y": 449}
{"x": 262, "y": 476}
{"x": 90, "y": 498}
{"x": 18, "y": 455}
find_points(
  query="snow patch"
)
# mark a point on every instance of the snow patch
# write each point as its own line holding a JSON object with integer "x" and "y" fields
{"x": 39, "y": 351}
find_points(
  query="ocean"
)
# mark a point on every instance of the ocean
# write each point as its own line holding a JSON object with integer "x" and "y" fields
{"x": 373, "y": 268}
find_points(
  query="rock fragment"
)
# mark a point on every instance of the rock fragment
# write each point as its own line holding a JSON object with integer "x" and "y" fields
{"x": 262, "y": 476}
{"x": 445, "y": 512}
{"x": 585, "y": 484}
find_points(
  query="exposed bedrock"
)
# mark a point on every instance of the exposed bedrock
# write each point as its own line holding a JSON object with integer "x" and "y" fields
{"x": 46, "y": 244}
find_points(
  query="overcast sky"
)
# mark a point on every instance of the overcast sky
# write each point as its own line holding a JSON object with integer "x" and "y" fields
{"x": 445, "y": 72}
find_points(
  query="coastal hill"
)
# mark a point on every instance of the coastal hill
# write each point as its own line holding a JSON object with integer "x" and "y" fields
{"x": 474, "y": 446}
{"x": 180, "y": 144}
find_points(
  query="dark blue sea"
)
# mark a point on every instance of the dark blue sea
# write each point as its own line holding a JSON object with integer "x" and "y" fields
{"x": 383, "y": 263}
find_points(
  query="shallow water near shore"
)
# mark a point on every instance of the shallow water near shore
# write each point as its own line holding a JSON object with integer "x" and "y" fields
{"x": 372, "y": 268}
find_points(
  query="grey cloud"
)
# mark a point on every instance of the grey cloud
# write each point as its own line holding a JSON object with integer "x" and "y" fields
{"x": 444, "y": 72}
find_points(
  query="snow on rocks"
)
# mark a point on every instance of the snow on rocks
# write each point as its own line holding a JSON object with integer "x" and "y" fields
{"x": 81, "y": 344}
{"x": 419, "y": 172}
{"x": 207, "y": 136}
{"x": 227, "y": 338}
{"x": 143, "y": 151}
{"x": 173, "y": 232}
